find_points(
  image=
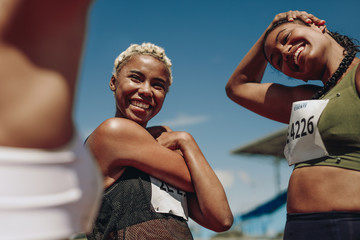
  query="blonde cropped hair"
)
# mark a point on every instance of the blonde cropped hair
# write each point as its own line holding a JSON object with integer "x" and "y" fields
{"x": 143, "y": 49}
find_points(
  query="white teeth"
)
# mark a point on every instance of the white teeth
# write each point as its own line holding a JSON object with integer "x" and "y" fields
{"x": 140, "y": 104}
{"x": 297, "y": 54}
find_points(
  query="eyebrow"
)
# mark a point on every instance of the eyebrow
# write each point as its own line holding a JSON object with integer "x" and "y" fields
{"x": 142, "y": 75}
{"x": 137, "y": 72}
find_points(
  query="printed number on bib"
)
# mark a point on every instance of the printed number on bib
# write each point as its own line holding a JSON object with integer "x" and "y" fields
{"x": 300, "y": 128}
{"x": 303, "y": 141}
{"x": 170, "y": 189}
{"x": 168, "y": 199}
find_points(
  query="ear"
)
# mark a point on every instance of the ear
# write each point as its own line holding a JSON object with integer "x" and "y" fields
{"x": 112, "y": 83}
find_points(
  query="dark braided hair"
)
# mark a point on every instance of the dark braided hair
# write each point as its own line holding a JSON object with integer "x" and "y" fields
{"x": 350, "y": 50}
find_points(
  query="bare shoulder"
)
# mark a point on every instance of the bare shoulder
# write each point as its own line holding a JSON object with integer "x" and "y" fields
{"x": 116, "y": 123}
{"x": 115, "y": 135}
{"x": 114, "y": 144}
{"x": 118, "y": 128}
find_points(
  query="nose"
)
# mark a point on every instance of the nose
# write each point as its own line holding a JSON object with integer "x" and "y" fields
{"x": 145, "y": 89}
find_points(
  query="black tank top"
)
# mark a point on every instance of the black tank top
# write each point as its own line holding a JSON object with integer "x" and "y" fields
{"x": 126, "y": 213}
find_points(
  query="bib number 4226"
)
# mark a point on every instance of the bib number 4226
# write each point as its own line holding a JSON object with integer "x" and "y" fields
{"x": 300, "y": 128}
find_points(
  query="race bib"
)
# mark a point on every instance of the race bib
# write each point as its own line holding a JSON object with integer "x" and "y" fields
{"x": 168, "y": 199}
{"x": 303, "y": 138}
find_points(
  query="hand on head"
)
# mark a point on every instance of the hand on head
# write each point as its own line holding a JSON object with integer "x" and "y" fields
{"x": 302, "y": 15}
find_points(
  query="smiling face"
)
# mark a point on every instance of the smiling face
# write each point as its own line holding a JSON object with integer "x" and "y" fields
{"x": 298, "y": 51}
{"x": 140, "y": 88}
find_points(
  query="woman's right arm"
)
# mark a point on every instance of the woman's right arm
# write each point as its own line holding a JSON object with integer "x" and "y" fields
{"x": 208, "y": 205}
{"x": 118, "y": 143}
{"x": 267, "y": 99}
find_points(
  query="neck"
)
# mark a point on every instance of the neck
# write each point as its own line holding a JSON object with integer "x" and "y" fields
{"x": 338, "y": 74}
{"x": 335, "y": 58}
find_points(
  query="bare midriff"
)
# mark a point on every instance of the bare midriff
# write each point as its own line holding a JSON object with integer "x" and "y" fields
{"x": 323, "y": 189}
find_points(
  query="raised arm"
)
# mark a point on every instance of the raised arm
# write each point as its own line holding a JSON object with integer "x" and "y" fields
{"x": 267, "y": 99}
{"x": 208, "y": 206}
{"x": 118, "y": 143}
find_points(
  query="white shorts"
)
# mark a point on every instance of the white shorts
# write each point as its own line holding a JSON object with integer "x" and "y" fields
{"x": 48, "y": 194}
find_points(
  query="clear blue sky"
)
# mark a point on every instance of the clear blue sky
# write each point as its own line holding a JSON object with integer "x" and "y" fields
{"x": 205, "y": 39}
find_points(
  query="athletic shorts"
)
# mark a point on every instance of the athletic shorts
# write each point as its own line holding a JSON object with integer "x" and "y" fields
{"x": 323, "y": 225}
{"x": 48, "y": 194}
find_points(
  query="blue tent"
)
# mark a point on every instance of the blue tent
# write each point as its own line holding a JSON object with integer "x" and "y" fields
{"x": 267, "y": 207}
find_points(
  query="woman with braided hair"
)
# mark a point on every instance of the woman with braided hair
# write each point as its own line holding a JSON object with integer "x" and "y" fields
{"x": 323, "y": 141}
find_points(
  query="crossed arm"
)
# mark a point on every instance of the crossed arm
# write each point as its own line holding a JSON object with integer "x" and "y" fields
{"x": 173, "y": 157}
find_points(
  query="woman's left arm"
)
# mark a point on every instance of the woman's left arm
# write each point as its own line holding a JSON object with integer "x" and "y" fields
{"x": 208, "y": 206}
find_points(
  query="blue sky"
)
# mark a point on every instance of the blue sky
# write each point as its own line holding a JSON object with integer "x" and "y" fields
{"x": 205, "y": 39}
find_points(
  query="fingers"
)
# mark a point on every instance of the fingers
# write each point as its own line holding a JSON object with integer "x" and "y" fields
{"x": 304, "y": 16}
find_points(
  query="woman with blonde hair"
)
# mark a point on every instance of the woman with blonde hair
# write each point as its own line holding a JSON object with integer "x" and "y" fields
{"x": 155, "y": 178}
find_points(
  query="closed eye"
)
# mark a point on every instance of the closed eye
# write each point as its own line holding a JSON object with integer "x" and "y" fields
{"x": 286, "y": 38}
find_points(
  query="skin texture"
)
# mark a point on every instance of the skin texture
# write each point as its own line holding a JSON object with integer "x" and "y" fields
{"x": 39, "y": 64}
{"x": 174, "y": 157}
{"x": 318, "y": 60}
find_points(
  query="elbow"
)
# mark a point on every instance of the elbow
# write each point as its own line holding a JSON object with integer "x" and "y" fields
{"x": 227, "y": 223}
{"x": 237, "y": 86}
{"x": 228, "y": 89}
{"x": 237, "y": 92}
{"x": 224, "y": 223}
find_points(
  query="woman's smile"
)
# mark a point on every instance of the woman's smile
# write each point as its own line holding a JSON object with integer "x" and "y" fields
{"x": 140, "y": 104}
{"x": 140, "y": 88}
